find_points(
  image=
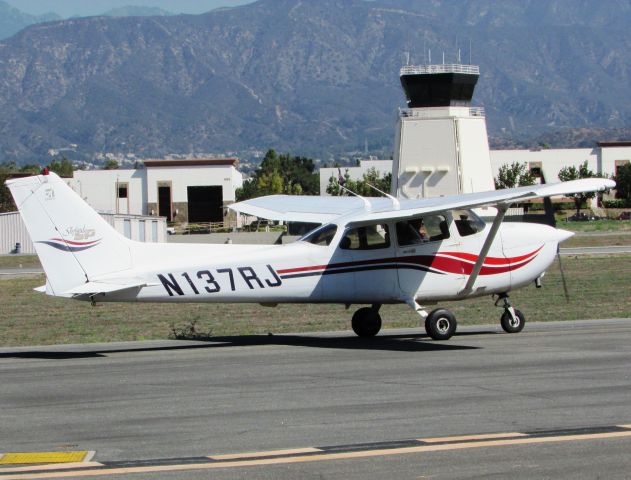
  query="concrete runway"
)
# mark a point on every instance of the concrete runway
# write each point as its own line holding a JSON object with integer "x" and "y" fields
{"x": 551, "y": 402}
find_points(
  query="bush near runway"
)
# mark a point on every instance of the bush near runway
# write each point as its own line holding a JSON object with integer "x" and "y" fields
{"x": 599, "y": 287}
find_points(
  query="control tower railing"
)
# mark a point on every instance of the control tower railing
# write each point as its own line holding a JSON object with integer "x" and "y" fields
{"x": 431, "y": 113}
{"x": 440, "y": 68}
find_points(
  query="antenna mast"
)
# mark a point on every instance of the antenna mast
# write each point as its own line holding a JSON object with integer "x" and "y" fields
{"x": 367, "y": 205}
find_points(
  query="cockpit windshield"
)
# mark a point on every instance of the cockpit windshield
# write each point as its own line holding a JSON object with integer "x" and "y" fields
{"x": 321, "y": 235}
{"x": 467, "y": 222}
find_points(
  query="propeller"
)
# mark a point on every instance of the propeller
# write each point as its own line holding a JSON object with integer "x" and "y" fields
{"x": 565, "y": 290}
{"x": 550, "y": 220}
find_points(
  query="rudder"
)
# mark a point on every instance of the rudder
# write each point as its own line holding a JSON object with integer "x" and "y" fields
{"x": 73, "y": 242}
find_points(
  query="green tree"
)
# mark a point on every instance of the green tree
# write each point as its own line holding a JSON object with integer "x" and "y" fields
{"x": 572, "y": 173}
{"x": 110, "y": 164}
{"x": 6, "y": 200}
{"x": 361, "y": 187}
{"x": 31, "y": 168}
{"x": 514, "y": 175}
{"x": 9, "y": 170}
{"x": 62, "y": 167}
{"x": 623, "y": 182}
{"x": 281, "y": 174}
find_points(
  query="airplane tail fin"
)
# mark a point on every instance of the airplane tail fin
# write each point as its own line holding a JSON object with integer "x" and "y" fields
{"x": 73, "y": 242}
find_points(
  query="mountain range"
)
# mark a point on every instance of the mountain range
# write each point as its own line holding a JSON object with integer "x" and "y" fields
{"x": 310, "y": 77}
{"x": 13, "y": 20}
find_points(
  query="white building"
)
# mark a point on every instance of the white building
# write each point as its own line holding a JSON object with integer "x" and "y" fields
{"x": 192, "y": 190}
{"x": 14, "y": 238}
{"x": 604, "y": 160}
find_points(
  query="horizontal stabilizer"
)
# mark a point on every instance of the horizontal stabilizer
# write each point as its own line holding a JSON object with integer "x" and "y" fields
{"x": 94, "y": 288}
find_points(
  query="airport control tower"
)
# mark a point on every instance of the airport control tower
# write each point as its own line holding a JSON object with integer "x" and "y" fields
{"x": 441, "y": 143}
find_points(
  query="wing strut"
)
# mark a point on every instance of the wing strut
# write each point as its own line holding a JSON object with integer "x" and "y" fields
{"x": 497, "y": 221}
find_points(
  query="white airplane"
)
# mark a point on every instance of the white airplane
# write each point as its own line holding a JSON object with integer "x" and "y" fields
{"x": 371, "y": 251}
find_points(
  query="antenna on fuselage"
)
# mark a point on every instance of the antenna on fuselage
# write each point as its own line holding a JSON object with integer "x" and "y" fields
{"x": 395, "y": 201}
{"x": 367, "y": 204}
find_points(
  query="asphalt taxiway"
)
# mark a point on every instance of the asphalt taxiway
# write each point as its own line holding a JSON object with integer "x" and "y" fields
{"x": 553, "y": 401}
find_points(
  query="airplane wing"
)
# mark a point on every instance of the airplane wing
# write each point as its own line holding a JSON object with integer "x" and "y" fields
{"x": 325, "y": 209}
{"x": 303, "y": 208}
{"x": 495, "y": 198}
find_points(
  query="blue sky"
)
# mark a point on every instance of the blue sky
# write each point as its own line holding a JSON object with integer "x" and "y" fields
{"x": 68, "y": 8}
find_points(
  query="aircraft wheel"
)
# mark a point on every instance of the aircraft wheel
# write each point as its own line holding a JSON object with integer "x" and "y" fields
{"x": 366, "y": 322}
{"x": 513, "y": 326}
{"x": 440, "y": 324}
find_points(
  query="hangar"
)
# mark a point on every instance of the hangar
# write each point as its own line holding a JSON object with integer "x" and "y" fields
{"x": 188, "y": 190}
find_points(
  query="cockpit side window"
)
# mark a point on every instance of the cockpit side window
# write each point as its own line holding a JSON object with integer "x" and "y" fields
{"x": 430, "y": 228}
{"x": 370, "y": 237}
{"x": 467, "y": 222}
{"x": 321, "y": 236}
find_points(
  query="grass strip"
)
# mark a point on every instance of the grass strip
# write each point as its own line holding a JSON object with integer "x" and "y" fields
{"x": 599, "y": 286}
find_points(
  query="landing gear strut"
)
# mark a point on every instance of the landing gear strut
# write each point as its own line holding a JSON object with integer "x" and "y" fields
{"x": 512, "y": 320}
{"x": 366, "y": 321}
{"x": 440, "y": 324}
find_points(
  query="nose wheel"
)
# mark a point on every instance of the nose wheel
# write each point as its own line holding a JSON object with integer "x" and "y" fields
{"x": 512, "y": 320}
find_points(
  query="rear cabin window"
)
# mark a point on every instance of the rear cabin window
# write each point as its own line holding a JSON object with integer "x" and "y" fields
{"x": 370, "y": 237}
{"x": 321, "y": 236}
{"x": 430, "y": 228}
{"x": 467, "y": 222}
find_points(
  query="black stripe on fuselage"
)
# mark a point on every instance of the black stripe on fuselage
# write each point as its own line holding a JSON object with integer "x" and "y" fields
{"x": 361, "y": 269}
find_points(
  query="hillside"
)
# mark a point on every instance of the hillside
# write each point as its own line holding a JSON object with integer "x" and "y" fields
{"x": 136, "y": 11}
{"x": 306, "y": 77}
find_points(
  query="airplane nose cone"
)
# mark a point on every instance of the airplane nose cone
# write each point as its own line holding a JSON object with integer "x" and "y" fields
{"x": 562, "y": 235}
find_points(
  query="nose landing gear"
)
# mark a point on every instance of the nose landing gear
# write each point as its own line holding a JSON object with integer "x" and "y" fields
{"x": 512, "y": 320}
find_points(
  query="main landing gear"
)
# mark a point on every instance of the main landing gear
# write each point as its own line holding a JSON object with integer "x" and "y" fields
{"x": 440, "y": 324}
{"x": 366, "y": 321}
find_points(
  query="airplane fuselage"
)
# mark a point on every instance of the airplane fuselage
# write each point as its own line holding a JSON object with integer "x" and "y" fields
{"x": 304, "y": 272}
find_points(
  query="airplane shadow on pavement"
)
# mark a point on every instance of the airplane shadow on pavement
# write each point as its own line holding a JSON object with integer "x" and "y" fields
{"x": 394, "y": 343}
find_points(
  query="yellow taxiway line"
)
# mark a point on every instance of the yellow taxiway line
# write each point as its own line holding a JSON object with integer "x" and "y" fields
{"x": 312, "y": 454}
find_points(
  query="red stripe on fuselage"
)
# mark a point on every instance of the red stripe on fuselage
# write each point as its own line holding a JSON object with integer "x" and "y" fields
{"x": 459, "y": 265}
{"x": 491, "y": 260}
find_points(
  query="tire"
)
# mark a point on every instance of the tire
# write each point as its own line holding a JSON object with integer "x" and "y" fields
{"x": 366, "y": 322}
{"x": 440, "y": 324}
{"x": 511, "y": 326}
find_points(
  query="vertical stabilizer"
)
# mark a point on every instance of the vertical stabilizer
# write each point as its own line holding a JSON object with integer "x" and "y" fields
{"x": 73, "y": 242}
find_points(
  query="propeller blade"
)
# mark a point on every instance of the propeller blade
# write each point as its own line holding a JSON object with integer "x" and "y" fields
{"x": 565, "y": 290}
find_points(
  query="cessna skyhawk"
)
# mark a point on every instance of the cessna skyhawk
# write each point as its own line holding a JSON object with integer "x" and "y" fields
{"x": 371, "y": 251}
